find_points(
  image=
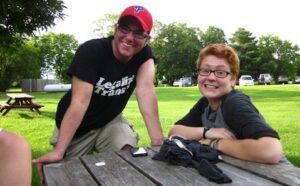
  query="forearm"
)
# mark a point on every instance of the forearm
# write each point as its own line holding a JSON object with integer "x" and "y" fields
{"x": 148, "y": 106}
{"x": 194, "y": 133}
{"x": 263, "y": 150}
{"x": 70, "y": 124}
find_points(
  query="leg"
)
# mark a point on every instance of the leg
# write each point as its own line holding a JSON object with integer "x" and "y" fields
{"x": 15, "y": 160}
{"x": 6, "y": 111}
{"x": 78, "y": 146}
{"x": 116, "y": 135}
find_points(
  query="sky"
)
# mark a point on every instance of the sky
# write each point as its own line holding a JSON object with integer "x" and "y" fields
{"x": 260, "y": 17}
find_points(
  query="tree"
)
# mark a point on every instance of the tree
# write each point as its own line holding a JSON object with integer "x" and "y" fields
{"x": 22, "y": 18}
{"x": 105, "y": 26}
{"x": 18, "y": 20}
{"x": 176, "y": 48}
{"x": 56, "y": 53}
{"x": 21, "y": 61}
{"x": 246, "y": 46}
{"x": 280, "y": 56}
{"x": 296, "y": 65}
{"x": 212, "y": 35}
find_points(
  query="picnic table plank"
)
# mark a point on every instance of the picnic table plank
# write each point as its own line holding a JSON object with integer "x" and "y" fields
{"x": 70, "y": 173}
{"x": 283, "y": 173}
{"x": 162, "y": 173}
{"x": 244, "y": 178}
{"x": 121, "y": 168}
{"x": 167, "y": 174}
{"x": 114, "y": 170}
{"x": 3, "y": 104}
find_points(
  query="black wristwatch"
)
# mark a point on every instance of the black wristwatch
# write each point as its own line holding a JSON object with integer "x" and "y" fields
{"x": 204, "y": 132}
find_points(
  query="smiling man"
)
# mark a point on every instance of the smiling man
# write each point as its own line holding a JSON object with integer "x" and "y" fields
{"x": 105, "y": 72}
{"x": 225, "y": 118}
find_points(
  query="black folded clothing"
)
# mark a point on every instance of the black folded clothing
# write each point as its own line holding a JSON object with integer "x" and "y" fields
{"x": 194, "y": 154}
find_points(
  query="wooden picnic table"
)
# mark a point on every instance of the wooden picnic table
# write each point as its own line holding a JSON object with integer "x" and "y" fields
{"x": 120, "y": 168}
{"x": 17, "y": 101}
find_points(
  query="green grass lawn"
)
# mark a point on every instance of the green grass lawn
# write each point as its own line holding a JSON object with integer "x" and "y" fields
{"x": 280, "y": 105}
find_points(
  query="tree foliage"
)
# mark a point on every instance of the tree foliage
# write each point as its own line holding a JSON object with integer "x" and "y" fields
{"x": 212, "y": 35}
{"x": 105, "y": 26}
{"x": 296, "y": 65}
{"x": 176, "y": 48}
{"x": 279, "y": 56}
{"x": 21, "y": 61}
{"x": 246, "y": 46}
{"x": 55, "y": 53}
{"x": 19, "y": 19}
{"x": 22, "y": 18}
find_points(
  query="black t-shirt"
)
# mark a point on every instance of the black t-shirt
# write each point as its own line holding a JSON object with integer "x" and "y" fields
{"x": 238, "y": 114}
{"x": 113, "y": 82}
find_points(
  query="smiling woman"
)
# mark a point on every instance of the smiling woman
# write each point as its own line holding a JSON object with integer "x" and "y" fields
{"x": 225, "y": 118}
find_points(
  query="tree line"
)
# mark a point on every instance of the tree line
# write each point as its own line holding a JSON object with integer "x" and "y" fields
{"x": 176, "y": 47}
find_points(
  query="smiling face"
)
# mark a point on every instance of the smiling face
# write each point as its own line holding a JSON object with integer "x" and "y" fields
{"x": 211, "y": 86}
{"x": 218, "y": 67}
{"x": 125, "y": 42}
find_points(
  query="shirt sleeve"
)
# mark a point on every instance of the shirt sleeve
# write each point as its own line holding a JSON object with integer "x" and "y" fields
{"x": 244, "y": 118}
{"x": 86, "y": 62}
{"x": 193, "y": 117}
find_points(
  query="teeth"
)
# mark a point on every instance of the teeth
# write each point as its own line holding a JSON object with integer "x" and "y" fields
{"x": 126, "y": 44}
{"x": 210, "y": 86}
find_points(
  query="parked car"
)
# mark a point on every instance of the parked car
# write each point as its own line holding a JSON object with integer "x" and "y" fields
{"x": 246, "y": 80}
{"x": 296, "y": 79}
{"x": 283, "y": 79}
{"x": 183, "y": 82}
{"x": 264, "y": 79}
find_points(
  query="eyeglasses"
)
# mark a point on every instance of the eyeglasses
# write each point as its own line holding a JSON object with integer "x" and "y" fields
{"x": 217, "y": 73}
{"x": 139, "y": 34}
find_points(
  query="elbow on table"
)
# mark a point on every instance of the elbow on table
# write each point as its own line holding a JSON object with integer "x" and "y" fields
{"x": 271, "y": 150}
{"x": 273, "y": 155}
{"x": 273, "y": 158}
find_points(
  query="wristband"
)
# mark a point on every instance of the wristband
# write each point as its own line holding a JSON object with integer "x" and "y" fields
{"x": 204, "y": 132}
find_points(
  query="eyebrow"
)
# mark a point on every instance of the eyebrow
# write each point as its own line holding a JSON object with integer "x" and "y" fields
{"x": 129, "y": 23}
{"x": 218, "y": 66}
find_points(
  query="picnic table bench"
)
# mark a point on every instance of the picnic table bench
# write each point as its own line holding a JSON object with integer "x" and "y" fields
{"x": 17, "y": 101}
{"x": 120, "y": 168}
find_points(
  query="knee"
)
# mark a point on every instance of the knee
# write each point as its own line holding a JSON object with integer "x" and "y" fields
{"x": 11, "y": 142}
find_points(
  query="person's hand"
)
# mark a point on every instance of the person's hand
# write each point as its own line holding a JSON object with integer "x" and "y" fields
{"x": 205, "y": 141}
{"x": 157, "y": 141}
{"x": 51, "y": 157}
{"x": 223, "y": 133}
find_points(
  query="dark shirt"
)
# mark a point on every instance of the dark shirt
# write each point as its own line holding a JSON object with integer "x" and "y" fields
{"x": 236, "y": 113}
{"x": 113, "y": 82}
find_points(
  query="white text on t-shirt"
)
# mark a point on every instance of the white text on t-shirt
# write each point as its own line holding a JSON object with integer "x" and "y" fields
{"x": 113, "y": 88}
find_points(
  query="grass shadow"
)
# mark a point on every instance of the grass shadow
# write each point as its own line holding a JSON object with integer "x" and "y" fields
{"x": 25, "y": 116}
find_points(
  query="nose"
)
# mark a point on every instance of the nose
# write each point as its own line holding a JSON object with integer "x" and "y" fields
{"x": 211, "y": 75}
{"x": 130, "y": 35}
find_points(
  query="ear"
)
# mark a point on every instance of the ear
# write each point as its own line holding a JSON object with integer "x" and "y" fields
{"x": 115, "y": 28}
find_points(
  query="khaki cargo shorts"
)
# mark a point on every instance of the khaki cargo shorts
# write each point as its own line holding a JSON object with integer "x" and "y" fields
{"x": 112, "y": 137}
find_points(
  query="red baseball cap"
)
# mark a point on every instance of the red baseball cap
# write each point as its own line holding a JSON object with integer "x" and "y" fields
{"x": 141, "y": 14}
